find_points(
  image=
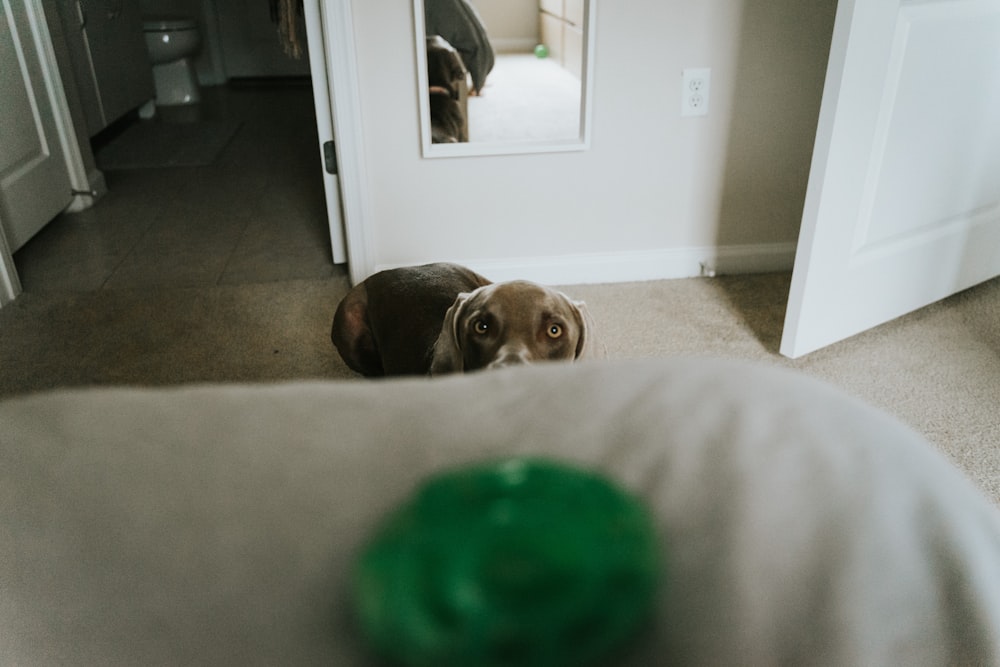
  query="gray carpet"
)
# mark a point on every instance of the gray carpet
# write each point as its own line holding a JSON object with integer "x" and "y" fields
{"x": 938, "y": 369}
{"x": 155, "y": 144}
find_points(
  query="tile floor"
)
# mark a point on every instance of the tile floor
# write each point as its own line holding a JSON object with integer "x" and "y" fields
{"x": 257, "y": 214}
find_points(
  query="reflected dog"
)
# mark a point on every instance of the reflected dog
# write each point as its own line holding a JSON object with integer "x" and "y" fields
{"x": 446, "y": 77}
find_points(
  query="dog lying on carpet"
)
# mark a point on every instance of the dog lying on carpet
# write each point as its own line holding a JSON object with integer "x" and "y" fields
{"x": 445, "y": 76}
{"x": 444, "y": 318}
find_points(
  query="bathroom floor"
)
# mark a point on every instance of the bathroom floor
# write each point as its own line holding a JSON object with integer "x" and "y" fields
{"x": 255, "y": 215}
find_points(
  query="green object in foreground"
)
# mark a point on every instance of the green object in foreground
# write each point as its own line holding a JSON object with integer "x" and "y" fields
{"x": 524, "y": 562}
{"x": 541, "y": 51}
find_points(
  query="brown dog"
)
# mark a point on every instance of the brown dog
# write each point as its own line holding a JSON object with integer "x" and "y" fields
{"x": 445, "y": 318}
{"x": 446, "y": 87}
{"x": 447, "y": 119}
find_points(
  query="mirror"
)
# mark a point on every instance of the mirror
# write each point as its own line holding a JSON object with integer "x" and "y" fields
{"x": 503, "y": 76}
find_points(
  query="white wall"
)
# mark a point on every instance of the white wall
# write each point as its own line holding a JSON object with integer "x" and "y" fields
{"x": 652, "y": 186}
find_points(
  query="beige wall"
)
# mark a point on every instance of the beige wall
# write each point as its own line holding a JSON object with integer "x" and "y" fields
{"x": 652, "y": 185}
{"x": 512, "y": 24}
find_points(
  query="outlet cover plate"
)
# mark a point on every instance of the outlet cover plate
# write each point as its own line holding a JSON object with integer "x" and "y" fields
{"x": 696, "y": 85}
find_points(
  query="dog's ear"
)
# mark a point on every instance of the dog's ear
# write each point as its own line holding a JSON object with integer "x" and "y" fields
{"x": 446, "y": 356}
{"x": 588, "y": 346}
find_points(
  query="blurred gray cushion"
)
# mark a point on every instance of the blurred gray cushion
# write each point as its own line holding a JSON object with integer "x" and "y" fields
{"x": 215, "y": 525}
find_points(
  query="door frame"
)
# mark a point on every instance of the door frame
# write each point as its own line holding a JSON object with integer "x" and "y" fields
{"x": 343, "y": 94}
{"x": 317, "y": 45}
{"x": 340, "y": 89}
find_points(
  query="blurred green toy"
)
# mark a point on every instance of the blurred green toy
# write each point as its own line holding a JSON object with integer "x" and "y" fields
{"x": 523, "y": 561}
{"x": 542, "y": 51}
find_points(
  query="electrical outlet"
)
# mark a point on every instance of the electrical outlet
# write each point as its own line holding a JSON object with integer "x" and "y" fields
{"x": 695, "y": 89}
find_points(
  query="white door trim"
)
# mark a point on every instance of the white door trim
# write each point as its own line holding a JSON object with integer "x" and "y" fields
{"x": 324, "y": 126}
{"x": 345, "y": 102}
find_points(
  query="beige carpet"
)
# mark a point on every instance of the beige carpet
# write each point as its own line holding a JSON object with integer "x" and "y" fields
{"x": 526, "y": 99}
{"x": 938, "y": 369}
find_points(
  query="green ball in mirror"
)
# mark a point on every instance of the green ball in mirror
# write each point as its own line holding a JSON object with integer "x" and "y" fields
{"x": 524, "y": 561}
{"x": 542, "y": 51}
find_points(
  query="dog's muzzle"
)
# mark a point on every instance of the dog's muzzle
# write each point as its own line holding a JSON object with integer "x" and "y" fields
{"x": 510, "y": 357}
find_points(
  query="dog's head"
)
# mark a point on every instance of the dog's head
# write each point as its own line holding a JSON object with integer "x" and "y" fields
{"x": 510, "y": 323}
{"x": 445, "y": 69}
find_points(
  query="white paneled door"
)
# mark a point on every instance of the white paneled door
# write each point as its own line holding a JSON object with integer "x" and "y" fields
{"x": 34, "y": 179}
{"x": 903, "y": 203}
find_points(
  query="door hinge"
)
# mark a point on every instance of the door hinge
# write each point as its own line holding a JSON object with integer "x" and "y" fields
{"x": 330, "y": 157}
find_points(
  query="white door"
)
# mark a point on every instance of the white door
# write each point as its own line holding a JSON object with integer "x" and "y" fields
{"x": 333, "y": 55}
{"x": 322, "y": 91}
{"x": 34, "y": 178}
{"x": 903, "y": 203}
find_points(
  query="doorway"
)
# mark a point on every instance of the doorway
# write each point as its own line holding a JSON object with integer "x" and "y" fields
{"x": 256, "y": 213}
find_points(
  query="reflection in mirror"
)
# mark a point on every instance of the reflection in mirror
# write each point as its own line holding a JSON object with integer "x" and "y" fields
{"x": 503, "y": 76}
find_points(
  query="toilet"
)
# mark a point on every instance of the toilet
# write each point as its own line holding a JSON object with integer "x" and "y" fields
{"x": 172, "y": 43}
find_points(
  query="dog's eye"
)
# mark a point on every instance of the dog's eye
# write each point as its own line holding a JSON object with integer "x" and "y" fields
{"x": 554, "y": 331}
{"x": 480, "y": 326}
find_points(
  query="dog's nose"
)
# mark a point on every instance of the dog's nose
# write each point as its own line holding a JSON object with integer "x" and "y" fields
{"x": 507, "y": 361}
{"x": 510, "y": 358}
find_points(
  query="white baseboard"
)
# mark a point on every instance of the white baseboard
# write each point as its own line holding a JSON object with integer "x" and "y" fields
{"x": 513, "y": 45}
{"x": 638, "y": 266}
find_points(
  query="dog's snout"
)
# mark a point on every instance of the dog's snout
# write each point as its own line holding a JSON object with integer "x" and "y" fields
{"x": 503, "y": 362}
{"x": 510, "y": 357}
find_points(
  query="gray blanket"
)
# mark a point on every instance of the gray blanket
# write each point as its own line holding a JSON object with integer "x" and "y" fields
{"x": 215, "y": 525}
{"x": 459, "y": 23}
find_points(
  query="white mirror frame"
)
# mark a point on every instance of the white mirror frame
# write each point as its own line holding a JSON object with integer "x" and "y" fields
{"x": 467, "y": 149}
